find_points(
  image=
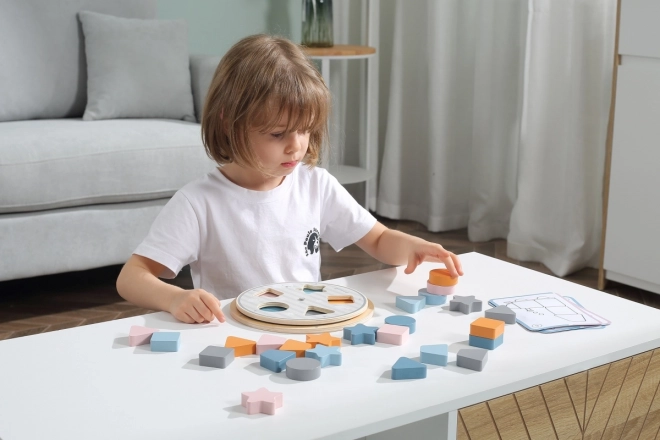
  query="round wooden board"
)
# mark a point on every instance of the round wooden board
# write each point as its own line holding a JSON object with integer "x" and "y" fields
{"x": 300, "y": 329}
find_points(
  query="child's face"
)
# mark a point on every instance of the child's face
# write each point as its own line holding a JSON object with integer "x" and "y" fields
{"x": 279, "y": 152}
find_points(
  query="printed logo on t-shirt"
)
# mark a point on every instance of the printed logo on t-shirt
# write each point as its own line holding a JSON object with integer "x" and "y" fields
{"x": 312, "y": 242}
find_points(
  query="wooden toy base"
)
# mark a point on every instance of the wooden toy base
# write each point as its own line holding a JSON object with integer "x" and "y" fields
{"x": 299, "y": 329}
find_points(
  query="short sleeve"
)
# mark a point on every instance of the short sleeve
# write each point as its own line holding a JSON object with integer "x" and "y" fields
{"x": 343, "y": 220}
{"x": 174, "y": 237}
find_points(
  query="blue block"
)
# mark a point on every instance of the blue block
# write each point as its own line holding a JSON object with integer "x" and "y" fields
{"x": 165, "y": 341}
{"x": 360, "y": 334}
{"x": 489, "y": 344}
{"x": 275, "y": 360}
{"x": 406, "y": 368}
{"x": 325, "y": 355}
{"x": 405, "y": 321}
{"x": 431, "y": 299}
{"x": 411, "y": 304}
{"x": 434, "y": 354}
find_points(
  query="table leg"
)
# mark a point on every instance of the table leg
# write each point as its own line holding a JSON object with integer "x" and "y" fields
{"x": 442, "y": 427}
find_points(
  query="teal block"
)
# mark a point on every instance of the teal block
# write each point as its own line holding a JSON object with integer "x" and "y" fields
{"x": 166, "y": 341}
{"x": 431, "y": 299}
{"x": 275, "y": 360}
{"x": 489, "y": 344}
{"x": 434, "y": 354}
{"x": 325, "y": 355}
{"x": 360, "y": 334}
{"x": 405, "y": 321}
{"x": 411, "y": 304}
{"x": 406, "y": 368}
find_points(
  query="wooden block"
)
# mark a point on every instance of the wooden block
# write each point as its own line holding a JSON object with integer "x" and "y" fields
{"x": 324, "y": 339}
{"x": 439, "y": 290}
{"x": 441, "y": 277}
{"x": 431, "y": 298}
{"x": 269, "y": 342}
{"x": 275, "y": 360}
{"x": 261, "y": 401}
{"x": 436, "y": 354}
{"x": 487, "y": 343}
{"x": 406, "y": 368}
{"x": 411, "y": 304}
{"x": 392, "y": 334}
{"x": 165, "y": 341}
{"x": 298, "y": 347}
{"x": 501, "y": 313}
{"x": 242, "y": 347}
{"x": 465, "y": 304}
{"x": 472, "y": 358}
{"x": 487, "y": 328}
{"x": 216, "y": 357}
{"x": 139, "y": 335}
{"x": 360, "y": 334}
{"x": 303, "y": 369}
{"x": 325, "y": 355}
{"x": 407, "y": 321}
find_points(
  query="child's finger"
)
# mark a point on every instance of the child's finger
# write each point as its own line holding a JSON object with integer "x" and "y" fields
{"x": 449, "y": 264}
{"x": 457, "y": 263}
{"x": 203, "y": 310}
{"x": 213, "y": 305}
{"x": 194, "y": 314}
{"x": 413, "y": 262}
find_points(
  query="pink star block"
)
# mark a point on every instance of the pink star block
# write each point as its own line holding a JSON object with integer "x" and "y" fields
{"x": 139, "y": 335}
{"x": 261, "y": 401}
{"x": 269, "y": 342}
{"x": 392, "y": 334}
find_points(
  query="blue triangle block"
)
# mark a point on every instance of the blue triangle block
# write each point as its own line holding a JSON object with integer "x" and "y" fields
{"x": 411, "y": 304}
{"x": 275, "y": 360}
{"x": 406, "y": 368}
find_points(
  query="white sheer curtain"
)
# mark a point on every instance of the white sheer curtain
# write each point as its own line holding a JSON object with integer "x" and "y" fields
{"x": 497, "y": 121}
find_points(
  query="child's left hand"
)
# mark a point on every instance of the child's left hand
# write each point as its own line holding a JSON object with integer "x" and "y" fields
{"x": 426, "y": 251}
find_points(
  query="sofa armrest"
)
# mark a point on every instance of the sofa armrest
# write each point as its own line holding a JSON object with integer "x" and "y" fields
{"x": 202, "y": 68}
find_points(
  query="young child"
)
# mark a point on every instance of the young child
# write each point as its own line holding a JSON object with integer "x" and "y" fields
{"x": 258, "y": 218}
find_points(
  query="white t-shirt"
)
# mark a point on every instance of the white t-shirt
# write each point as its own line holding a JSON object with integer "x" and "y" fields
{"x": 235, "y": 239}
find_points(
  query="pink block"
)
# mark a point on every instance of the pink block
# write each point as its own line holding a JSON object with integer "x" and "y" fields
{"x": 139, "y": 335}
{"x": 269, "y": 342}
{"x": 261, "y": 401}
{"x": 439, "y": 290}
{"x": 392, "y": 334}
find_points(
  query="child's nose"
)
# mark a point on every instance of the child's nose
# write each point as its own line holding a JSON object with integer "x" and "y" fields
{"x": 295, "y": 142}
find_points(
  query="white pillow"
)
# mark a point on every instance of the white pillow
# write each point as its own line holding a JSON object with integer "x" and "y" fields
{"x": 136, "y": 68}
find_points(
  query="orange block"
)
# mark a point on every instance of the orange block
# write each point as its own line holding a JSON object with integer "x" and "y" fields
{"x": 441, "y": 277}
{"x": 487, "y": 328}
{"x": 298, "y": 346}
{"x": 324, "y": 339}
{"x": 242, "y": 347}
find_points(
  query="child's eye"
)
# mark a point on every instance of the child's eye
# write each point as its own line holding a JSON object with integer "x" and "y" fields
{"x": 277, "y": 135}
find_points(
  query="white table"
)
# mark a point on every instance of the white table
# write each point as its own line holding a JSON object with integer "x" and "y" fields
{"x": 86, "y": 382}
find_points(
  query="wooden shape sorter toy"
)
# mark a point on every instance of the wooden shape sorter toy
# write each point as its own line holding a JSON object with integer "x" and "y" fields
{"x": 301, "y": 307}
{"x": 242, "y": 347}
{"x": 261, "y": 401}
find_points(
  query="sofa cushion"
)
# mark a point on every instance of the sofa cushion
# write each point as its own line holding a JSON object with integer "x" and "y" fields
{"x": 43, "y": 74}
{"x": 136, "y": 68}
{"x": 48, "y": 164}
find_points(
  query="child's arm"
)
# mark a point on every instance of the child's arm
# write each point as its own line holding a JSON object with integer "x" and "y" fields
{"x": 139, "y": 284}
{"x": 397, "y": 248}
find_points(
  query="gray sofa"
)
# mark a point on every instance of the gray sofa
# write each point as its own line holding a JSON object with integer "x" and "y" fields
{"x": 77, "y": 194}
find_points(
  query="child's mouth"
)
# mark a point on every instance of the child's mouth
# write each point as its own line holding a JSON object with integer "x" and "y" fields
{"x": 290, "y": 164}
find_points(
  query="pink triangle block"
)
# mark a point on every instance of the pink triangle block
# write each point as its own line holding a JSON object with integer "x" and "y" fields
{"x": 269, "y": 342}
{"x": 139, "y": 335}
{"x": 392, "y": 334}
{"x": 261, "y": 401}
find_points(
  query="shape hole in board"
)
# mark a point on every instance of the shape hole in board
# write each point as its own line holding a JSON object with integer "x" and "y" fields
{"x": 273, "y": 307}
{"x": 317, "y": 311}
{"x": 340, "y": 299}
{"x": 270, "y": 293}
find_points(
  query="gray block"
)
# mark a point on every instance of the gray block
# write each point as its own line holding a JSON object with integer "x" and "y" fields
{"x": 303, "y": 368}
{"x": 216, "y": 357}
{"x": 502, "y": 313}
{"x": 472, "y": 358}
{"x": 465, "y": 304}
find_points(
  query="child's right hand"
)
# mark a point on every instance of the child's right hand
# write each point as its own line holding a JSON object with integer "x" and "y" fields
{"x": 196, "y": 306}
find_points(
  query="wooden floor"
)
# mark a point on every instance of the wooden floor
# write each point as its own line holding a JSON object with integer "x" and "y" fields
{"x": 56, "y": 302}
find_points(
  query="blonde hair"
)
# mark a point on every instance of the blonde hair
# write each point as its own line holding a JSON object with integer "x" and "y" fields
{"x": 259, "y": 80}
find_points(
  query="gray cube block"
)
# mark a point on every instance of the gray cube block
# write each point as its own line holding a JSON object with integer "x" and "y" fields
{"x": 216, "y": 357}
{"x": 502, "y": 313}
{"x": 303, "y": 369}
{"x": 472, "y": 358}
